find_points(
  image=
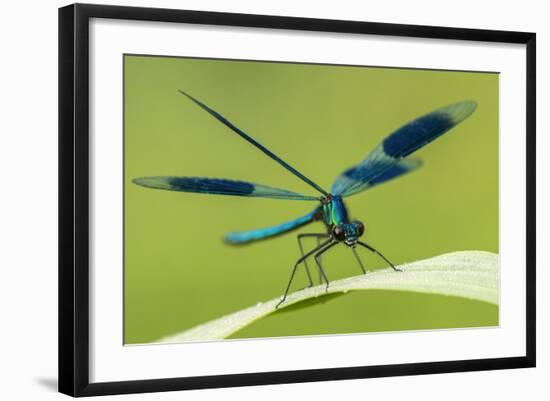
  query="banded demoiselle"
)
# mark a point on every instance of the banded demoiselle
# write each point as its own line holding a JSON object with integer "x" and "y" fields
{"x": 385, "y": 162}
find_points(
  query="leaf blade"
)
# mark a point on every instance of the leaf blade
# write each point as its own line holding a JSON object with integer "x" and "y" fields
{"x": 468, "y": 274}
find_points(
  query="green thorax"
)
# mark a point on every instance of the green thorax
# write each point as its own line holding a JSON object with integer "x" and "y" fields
{"x": 334, "y": 211}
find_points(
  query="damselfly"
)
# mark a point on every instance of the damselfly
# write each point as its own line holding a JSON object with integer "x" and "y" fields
{"x": 386, "y": 161}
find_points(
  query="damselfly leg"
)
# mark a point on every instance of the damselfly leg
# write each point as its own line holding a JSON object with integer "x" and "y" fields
{"x": 310, "y": 235}
{"x": 359, "y": 260}
{"x": 320, "y": 277}
{"x": 300, "y": 261}
{"x": 370, "y": 248}
{"x": 318, "y": 261}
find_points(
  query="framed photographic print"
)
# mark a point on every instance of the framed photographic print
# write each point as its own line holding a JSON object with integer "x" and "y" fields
{"x": 249, "y": 199}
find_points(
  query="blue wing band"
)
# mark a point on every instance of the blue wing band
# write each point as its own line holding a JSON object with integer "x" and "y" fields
{"x": 403, "y": 167}
{"x": 240, "y": 132}
{"x": 243, "y": 237}
{"x": 219, "y": 186}
{"x": 385, "y": 158}
{"x": 425, "y": 129}
{"x": 355, "y": 180}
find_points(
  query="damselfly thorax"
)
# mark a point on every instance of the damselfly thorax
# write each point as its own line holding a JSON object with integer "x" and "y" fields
{"x": 335, "y": 215}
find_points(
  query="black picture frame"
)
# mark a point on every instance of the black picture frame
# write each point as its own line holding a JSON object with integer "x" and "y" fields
{"x": 74, "y": 194}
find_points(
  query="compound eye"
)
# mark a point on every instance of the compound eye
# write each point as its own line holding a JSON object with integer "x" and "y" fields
{"x": 338, "y": 233}
{"x": 360, "y": 228}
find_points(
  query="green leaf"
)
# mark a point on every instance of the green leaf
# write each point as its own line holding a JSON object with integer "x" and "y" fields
{"x": 467, "y": 274}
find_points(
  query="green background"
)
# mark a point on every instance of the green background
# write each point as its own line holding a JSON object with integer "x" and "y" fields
{"x": 321, "y": 119}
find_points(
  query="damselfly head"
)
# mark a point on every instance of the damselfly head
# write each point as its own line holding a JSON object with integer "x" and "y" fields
{"x": 349, "y": 233}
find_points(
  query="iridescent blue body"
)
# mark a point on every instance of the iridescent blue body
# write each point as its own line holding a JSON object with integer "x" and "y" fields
{"x": 334, "y": 211}
{"x": 385, "y": 162}
{"x": 336, "y": 219}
